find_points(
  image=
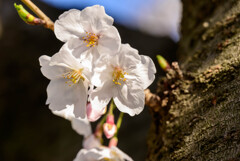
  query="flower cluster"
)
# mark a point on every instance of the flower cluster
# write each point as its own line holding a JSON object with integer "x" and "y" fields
{"x": 92, "y": 148}
{"x": 90, "y": 69}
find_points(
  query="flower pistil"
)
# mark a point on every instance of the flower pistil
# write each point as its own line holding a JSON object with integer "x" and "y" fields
{"x": 91, "y": 39}
{"x": 75, "y": 76}
{"x": 119, "y": 75}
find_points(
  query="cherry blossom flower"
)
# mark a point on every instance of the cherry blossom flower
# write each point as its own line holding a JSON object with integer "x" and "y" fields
{"x": 123, "y": 78}
{"x": 89, "y": 32}
{"x": 81, "y": 126}
{"x": 93, "y": 150}
{"x": 102, "y": 153}
{"x": 69, "y": 81}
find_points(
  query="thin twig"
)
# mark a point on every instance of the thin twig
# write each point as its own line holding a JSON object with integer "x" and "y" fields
{"x": 49, "y": 24}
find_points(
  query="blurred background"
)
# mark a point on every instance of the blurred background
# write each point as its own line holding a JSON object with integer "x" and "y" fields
{"x": 28, "y": 130}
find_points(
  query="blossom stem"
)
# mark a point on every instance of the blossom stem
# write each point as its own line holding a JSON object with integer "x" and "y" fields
{"x": 103, "y": 119}
{"x": 111, "y": 108}
{"x": 119, "y": 122}
{"x": 98, "y": 132}
{"x": 49, "y": 24}
{"x": 99, "y": 127}
{"x": 110, "y": 111}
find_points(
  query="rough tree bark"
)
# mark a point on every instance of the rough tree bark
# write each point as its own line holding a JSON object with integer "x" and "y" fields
{"x": 198, "y": 117}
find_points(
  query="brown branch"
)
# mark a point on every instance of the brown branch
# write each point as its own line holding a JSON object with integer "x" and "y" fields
{"x": 152, "y": 100}
{"x": 48, "y": 22}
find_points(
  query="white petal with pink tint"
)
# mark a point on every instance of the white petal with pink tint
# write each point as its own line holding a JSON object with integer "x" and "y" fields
{"x": 94, "y": 114}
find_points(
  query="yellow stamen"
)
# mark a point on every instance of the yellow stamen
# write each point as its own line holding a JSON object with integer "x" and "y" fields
{"x": 118, "y": 75}
{"x": 74, "y": 76}
{"x": 91, "y": 39}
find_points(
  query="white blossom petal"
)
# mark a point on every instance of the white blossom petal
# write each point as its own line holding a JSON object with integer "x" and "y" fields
{"x": 68, "y": 25}
{"x": 101, "y": 96}
{"x": 94, "y": 19}
{"x": 85, "y": 54}
{"x": 146, "y": 71}
{"x": 78, "y": 46}
{"x": 109, "y": 42}
{"x": 94, "y": 114}
{"x": 82, "y": 52}
{"x": 130, "y": 99}
{"x": 121, "y": 153}
{"x": 90, "y": 142}
{"x": 89, "y": 155}
{"x": 51, "y": 72}
{"x": 101, "y": 73}
{"x": 82, "y": 126}
{"x": 128, "y": 57}
{"x": 102, "y": 153}
{"x": 66, "y": 113}
{"x": 61, "y": 94}
{"x": 44, "y": 60}
{"x": 65, "y": 58}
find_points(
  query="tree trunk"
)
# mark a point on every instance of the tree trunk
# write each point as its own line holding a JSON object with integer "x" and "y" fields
{"x": 198, "y": 117}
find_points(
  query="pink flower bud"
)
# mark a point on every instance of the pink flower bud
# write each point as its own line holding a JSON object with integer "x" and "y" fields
{"x": 94, "y": 114}
{"x": 109, "y": 130}
{"x": 113, "y": 142}
{"x": 110, "y": 119}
